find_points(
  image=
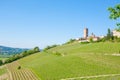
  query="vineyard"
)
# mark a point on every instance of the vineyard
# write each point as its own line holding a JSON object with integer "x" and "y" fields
{"x": 5, "y": 77}
{"x": 3, "y": 73}
{"x": 17, "y": 73}
{"x": 80, "y": 62}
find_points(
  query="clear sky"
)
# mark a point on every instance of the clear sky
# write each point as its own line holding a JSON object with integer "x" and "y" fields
{"x": 30, "y": 23}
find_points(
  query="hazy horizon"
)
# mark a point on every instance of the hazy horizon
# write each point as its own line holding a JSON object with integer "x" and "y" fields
{"x": 28, "y": 23}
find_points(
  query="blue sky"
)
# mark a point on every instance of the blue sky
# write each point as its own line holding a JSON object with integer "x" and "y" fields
{"x": 30, "y": 23}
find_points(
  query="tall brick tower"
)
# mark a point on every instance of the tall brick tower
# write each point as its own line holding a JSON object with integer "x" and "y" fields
{"x": 85, "y": 33}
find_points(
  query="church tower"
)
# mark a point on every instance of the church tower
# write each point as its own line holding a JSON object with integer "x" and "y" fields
{"x": 85, "y": 33}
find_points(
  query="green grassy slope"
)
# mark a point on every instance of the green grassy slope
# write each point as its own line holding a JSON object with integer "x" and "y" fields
{"x": 105, "y": 47}
{"x": 2, "y": 71}
{"x": 76, "y": 60}
{"x": 3, "y": 58}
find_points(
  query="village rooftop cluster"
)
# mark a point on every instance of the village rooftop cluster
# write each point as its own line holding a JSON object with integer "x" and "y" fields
{"x": 86, "y": 37}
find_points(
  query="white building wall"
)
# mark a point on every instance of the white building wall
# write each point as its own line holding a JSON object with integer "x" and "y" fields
{"x": 116, "y": 33}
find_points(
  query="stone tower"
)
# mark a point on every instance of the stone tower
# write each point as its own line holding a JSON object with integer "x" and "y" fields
{"x": 85, "y": 32}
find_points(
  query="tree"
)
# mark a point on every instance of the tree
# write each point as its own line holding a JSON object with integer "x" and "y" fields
{"x": 115, "y": 14}
{"x": 70, "y": 41}
{"x": 91, "y": 39}
{"x": 109, "y": 35}
{"x": 19, "y": 67}
{"x": 36, "y": 49}
{"x": 49, "y": 47}
{"x": 24, "y": 53}
{"x": 1, "y": 62}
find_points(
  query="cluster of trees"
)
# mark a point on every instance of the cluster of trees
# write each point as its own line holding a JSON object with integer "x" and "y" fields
{"x": 49, "y": 47}
{"x": 110, "y": 37}
{"x": 52, "y": 46}
{"x": 21, "y": 55}
{"x": 114, "y": 15}
{"x": 70, "y": 41}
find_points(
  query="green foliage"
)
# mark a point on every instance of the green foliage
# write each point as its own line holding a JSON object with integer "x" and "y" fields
{"x": 57, "y": 53}
{"x": 118, "y": 28}
{"x": 1, "y": 62}
{"x": 2, "y": 71}
{"x": 110, "y": 38}
{"x": 113, "y": 39}
{"x": 36, "y": 49}
{"x": 3, "y": 58}
{"x": 70, "y": 41}
{"x": 19, "y": 67}
{"x": 23, "y": 54}
{"x": 115, "y": 14}
{"x": 109, "y": 35}
{"x": 84, "y": 42}
{"x": 103, "y": 39}
{"x": 91, "y": 39}
{"x": 49, "y": 47}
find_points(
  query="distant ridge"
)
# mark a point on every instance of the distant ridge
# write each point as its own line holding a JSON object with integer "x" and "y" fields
{"x": 4, "y": 50}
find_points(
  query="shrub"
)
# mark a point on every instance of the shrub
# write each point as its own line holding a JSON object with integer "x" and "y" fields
{"x": 36, "y": 49}
{"x": 57, "y": 53}
{"x": 49, "y": 47}
{"x": 70, "y": 41}
{"x": 19, "y": 67}
{"x": 91, "y": 39}
{"x": 84, "y": 42}
{"x": 1, "y": 62}
{"x": 119, "y": 52}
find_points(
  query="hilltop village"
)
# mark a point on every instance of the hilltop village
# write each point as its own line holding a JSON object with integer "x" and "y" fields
{"x": 87, "y": 38}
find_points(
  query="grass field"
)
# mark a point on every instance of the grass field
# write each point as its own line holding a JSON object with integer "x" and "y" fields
{"x": 2, "y": 71}
{"x": 3, "y": 58}
{"x": 76, "y": 60}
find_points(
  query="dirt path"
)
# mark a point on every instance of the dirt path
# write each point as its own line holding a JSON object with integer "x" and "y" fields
{"x": 2, "y": 66}
{"x": 88, "y": 77}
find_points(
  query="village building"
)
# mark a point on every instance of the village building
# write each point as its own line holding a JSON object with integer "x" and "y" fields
{"x": 116, "y": 33}
{"x": 94, "y": 38}
{"x": 86, "y": 37}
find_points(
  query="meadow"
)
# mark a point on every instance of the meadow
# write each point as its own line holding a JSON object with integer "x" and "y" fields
{"x": 2, "y": 71}
{"x": 3, "y": 58}
{"x": 75, "y": 60}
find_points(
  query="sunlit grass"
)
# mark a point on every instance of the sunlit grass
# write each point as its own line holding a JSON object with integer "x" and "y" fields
{"x": 78, "y": 60}
{"x": 2, "y": 71}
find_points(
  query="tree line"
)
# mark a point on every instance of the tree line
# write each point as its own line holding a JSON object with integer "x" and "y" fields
{"x": 21, "y": 55}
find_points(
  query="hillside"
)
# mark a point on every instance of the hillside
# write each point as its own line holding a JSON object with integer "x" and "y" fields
{"x": 75, "y": 61}
{"x": 9, "y": 50}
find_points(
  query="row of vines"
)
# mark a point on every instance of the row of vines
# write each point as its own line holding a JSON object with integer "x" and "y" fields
{"x": 19, "y": 73}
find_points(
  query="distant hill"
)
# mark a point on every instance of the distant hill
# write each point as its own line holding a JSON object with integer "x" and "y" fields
{"x": 9, "y": 50}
